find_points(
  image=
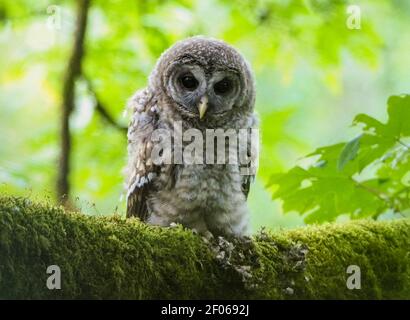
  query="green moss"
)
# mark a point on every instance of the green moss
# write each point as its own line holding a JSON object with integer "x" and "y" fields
{"x": 117, "y": 258}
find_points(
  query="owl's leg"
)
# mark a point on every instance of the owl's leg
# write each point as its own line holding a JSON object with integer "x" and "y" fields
{"x": 157, "y": 220}
{"x": 234, "y": 222}
{"x": 197, "y": 223}
{"x": 192, "y": 221}
{"x": 162, "y": 213}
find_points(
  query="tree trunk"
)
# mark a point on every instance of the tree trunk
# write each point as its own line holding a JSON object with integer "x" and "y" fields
{"x": 72, "y": 73}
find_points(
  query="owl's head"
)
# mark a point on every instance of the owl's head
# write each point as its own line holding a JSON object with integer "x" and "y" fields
{"x": 206, "y": 78}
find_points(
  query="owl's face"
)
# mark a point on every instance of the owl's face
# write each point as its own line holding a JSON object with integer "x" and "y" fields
{"x": 206, "y": 78}
{"x": 204, "y": 93}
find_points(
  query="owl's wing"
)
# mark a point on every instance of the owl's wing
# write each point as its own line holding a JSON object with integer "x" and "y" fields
{"x": 252, "y": 153}
{"x": 140, "y": 170}
{"x": 246, "y": 185}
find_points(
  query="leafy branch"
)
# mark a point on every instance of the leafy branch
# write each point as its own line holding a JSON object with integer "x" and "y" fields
{"x": 364, "y": 177}
{"x": 101, "y": 109}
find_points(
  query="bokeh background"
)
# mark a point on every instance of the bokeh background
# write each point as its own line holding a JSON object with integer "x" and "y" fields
{"x": 313, "y": 72}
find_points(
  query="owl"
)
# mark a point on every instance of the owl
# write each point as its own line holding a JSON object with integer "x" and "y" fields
{"x": 204, "y": 85}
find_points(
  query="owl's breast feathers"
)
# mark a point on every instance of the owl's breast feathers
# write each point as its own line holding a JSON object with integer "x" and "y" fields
{"x": 146, "y": 180}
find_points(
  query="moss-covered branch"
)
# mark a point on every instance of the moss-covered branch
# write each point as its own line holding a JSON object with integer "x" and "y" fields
{"x": 114, "y": 258}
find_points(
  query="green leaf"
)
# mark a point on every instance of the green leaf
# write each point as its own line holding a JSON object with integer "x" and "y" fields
{"x": 399, "y": 115}
{"x": 349, "y": 152}
{"x": 398, "y": 124}
{"x": 371, "y": 125}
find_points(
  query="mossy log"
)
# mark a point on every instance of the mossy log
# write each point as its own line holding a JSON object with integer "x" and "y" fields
{"x": 105, "y": 258}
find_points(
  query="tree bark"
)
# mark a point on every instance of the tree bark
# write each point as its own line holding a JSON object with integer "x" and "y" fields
{"x": 72, "y": 72}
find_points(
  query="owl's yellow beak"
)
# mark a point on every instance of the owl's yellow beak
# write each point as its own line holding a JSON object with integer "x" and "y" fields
{"x": 202, "y": 106}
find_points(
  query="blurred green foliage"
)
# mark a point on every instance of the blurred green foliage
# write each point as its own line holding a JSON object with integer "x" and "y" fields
{"x": 313, "y": 74}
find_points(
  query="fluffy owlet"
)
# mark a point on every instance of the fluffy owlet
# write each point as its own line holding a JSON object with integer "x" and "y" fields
{"x": 198, "y": 85}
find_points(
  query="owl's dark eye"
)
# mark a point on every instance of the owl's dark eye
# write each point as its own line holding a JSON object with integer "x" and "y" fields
{"x": 189, "y": 81}
{"x": 222, "y": 87}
